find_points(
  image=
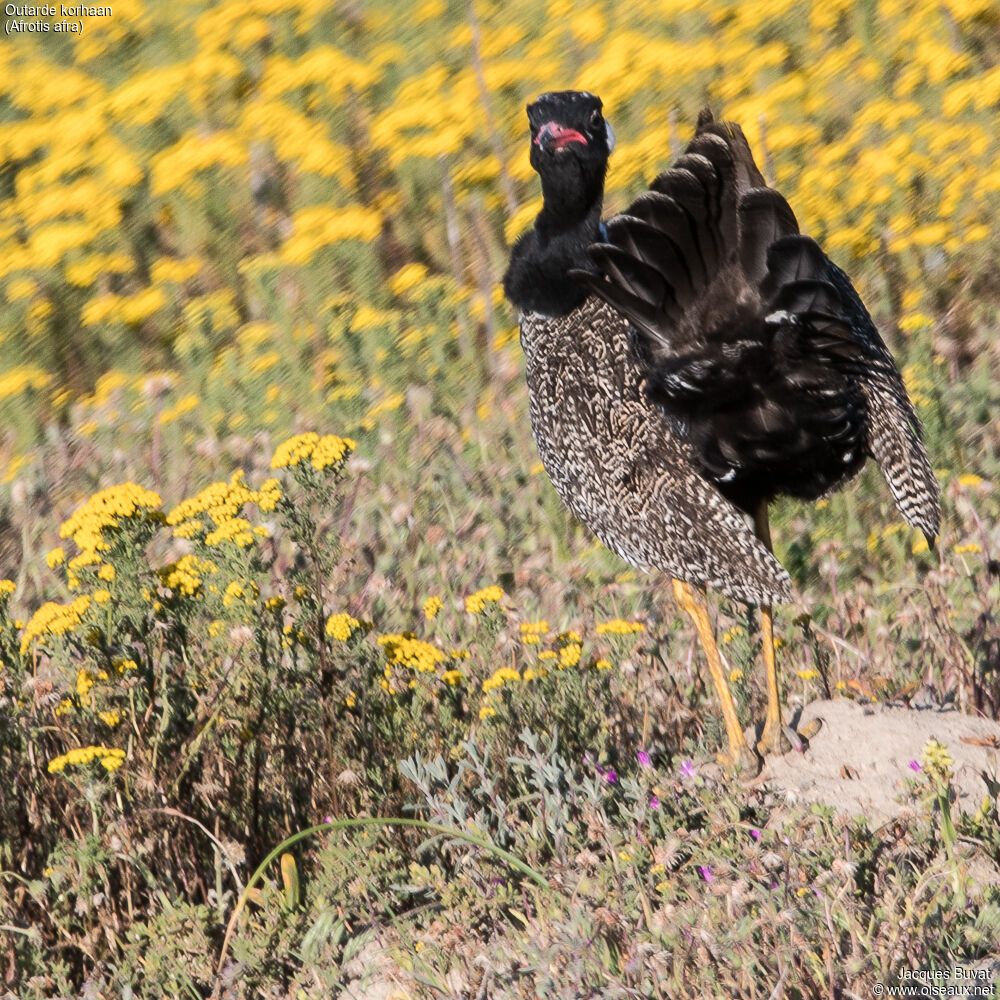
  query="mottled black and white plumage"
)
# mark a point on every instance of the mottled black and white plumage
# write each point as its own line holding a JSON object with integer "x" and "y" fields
{"x": 619, "y": 464}
{"x": 696, "y": 356}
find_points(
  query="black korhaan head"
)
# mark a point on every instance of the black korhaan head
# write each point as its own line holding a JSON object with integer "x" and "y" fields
{"x": 570, "y": 146}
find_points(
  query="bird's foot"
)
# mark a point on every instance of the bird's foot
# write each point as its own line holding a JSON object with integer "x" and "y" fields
{"x": 778, "y": 739}
{"x": 742, "y": 759}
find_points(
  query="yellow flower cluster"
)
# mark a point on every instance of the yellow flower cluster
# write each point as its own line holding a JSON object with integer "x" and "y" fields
{"x": 431, "y": 607}
{"x": 54, "y": 619}
{"x": 500, "y": 677}
{"x": 408, "y": 651}
{"x": 852, "y": 108}
{"x": 186, "y": 574}
{"x": 323, "y": 452}
{"x": 937, "y": 762}
{"x": 237, "y": 591}
{"x": 476, "y": 603}
{"x": 341, "y": 626}
{"x": 222, "y": 503}
{"x": 22, "y": 379}
{"x": 84, "y": 682}
{"x": 618, "y": 626}
{"x": 110, "y": 757}
{"x": 91, "y": 524}
{"x": 569, "y": 655}
{"x": 408, "y": 277}
{"x": 320, "y": 226}
{"x": 7, "y": 588}
{"x": 532, "y": 632}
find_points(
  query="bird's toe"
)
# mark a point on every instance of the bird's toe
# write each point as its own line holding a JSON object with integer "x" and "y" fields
{"x": 741, "y": 759}
{"x": 779, "y": 740}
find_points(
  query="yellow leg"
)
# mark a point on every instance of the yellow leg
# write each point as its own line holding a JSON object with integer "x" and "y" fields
{"x": 771, "y": 739}
{"x": 776, "y": 737}
{"x": 692, "y": 600}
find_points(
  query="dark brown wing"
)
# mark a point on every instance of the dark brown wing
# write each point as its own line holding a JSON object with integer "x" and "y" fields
{"x": 753, "y": 339}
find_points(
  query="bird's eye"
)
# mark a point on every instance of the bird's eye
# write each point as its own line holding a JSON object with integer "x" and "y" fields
{"x": 595, "y": 118}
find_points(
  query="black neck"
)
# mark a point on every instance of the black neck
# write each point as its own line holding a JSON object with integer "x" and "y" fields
{"x": 565, "y": 208}
{"x": 537, "y": 279}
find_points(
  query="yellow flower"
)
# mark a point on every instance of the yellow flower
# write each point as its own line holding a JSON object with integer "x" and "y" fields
{"x": 54, "y": 619}
{"x": 236, "y": 591}
{"x": 499, "y": 677}
{"x": 534, "y": 628}
{"x": 619, "y": 627}
{"x": 476, "y": 603}
{"x": 341, "y": 626}
{"x": 55, "y": 557}
{"x": 185, "y": 576}
{"x": 408, "y": 651}
{"x": 222, "y": 502}
{"x": 937, "y": 762}
{"x": 569, "y": 655}
{"x": 84, "y": 682}
{"x": 237, "y": 530}
{"x": 320, "y": 225}
{"x": 407, "y": 277}
{"x": 110, "y": 757}
{"x": 107, "y": 511}
{"x": 323, "y": 452}
{"x": 18, "y": 380}
{"x": 331, "y": 450}
{"x": 175, "y": 167}
{"x": 431, "y": 607}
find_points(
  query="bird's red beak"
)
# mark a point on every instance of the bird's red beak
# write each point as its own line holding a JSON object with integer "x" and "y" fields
{"x": 554, "y": 136}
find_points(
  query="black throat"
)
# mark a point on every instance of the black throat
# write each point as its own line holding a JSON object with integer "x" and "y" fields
{"x": 537, "y": 279}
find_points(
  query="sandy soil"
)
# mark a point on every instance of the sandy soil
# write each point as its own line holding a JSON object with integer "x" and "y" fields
{"x": 859, "y": 761}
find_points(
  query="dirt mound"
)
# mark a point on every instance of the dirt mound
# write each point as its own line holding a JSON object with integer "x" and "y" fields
{"x": 859, "y": 762}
